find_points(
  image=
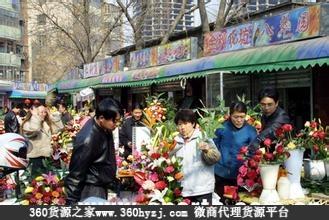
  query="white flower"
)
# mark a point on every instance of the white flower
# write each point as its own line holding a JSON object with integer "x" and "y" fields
{"x": 170, "y": 179}
{"x": 158, "y": 195}
{"x": 307, "y": 124}
{"x": 148, "y": 185}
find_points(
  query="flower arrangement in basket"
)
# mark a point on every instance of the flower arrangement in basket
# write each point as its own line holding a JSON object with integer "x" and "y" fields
{"x": 44, "y": 190}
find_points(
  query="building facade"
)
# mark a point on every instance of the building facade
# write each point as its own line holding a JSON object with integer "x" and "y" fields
{"x": 11, "y": 41}
{"x": 161, "y": 14}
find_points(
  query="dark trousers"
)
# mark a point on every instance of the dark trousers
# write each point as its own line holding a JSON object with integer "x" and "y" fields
{"x": 37, "y": 166}
{"x": 220, "y": 183}
{"x": 93, "y": 191}
{"x": 200, "y": 198}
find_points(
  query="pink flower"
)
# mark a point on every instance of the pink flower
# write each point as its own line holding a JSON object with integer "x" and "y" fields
{"x": 140, "y": 198}
{"x": 243, "y": 149}
{"x": 240, "y": 181}
{"x": 154, "y": 177}
{"x": 160, "y": 185}
{"x": 267, "y": 142}
{"x": 250, "y": 183}
{"x": 287, "y": 127}
{"x": 169, "y": 169}
{"x": 252, "y": 163}
{"x": 252, "y": 174}
{"x": 187, "y": 201}
{"x": 240, "y": 157}
{"x": 243, "y": 170}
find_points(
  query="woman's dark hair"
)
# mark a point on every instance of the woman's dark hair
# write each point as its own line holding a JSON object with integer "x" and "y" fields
{"x": 108, "y": 108}
{"x": 270, "y": 93}
{"x": 238, "y": 107}
{"x": 137, "y": 105}
{"x": 185, "y": 115}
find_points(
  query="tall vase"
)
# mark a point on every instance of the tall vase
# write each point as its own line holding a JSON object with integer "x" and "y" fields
{"x": 314, "y": 169}
{"x": 269, "y": 176}
{"x": 294, "y": 167}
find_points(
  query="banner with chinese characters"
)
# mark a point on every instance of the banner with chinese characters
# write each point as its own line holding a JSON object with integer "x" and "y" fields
{"x": 234, "y": 38}
{"x": 109, "y": 65}
{"x": 293, "y": 25}
{"x": 144, "y": 58}
{"x": 180, "y": 50}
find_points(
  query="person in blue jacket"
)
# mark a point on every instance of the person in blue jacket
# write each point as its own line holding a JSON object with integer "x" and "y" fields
{"x": 234, "y": 134}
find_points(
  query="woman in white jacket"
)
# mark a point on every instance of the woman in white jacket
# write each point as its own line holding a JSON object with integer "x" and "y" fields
{"x": 198, "y": 156}
{"x": 38, "y": 127}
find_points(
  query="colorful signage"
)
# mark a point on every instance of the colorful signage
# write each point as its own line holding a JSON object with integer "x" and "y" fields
{"x": 297, "y": 24}
{"x": 143, "y": 58}
{"x": 181, "y": 50}
{"x": 33, "y": 86}
{"x": 109, "y": 65}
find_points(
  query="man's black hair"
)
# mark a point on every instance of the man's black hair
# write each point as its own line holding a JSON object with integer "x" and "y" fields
{"x": 269, "y": 92}
{"x": 108, "y": 108}
{"x": 185, "y": 115}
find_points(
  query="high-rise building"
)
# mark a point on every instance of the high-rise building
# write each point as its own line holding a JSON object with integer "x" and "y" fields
{"x": 161, "y": 14}
{"x": 11, "y": 41}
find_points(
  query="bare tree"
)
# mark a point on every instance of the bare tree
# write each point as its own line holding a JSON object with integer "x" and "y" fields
{"x": 77, "y": 30}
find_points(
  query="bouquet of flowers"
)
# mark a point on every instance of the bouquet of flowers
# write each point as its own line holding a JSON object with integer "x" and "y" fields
{"x": 44, "y": 190}
{"x": 160, "y": 182}
{"x": 249, "y": 173}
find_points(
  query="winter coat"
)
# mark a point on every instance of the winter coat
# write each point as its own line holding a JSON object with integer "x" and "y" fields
{"x": 229, "y": 142}
{"x": 11, "y": 123}
{"x": 93, "y": 161}
{"x": 198, "y": 167}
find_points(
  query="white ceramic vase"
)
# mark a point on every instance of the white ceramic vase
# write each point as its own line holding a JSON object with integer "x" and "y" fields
{"x": 269, "y": 176}
{"x": 314, "y": 169}
{"x": 294, "y": 166}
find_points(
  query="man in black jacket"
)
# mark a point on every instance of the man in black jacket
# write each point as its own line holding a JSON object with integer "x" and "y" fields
{"x": 11, "y": 121}
{"x": 92, "y": 168}
{"x": 273, "y": 116}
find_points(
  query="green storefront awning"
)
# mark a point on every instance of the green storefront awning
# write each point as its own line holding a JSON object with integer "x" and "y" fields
{"x": 281, "y": 57}
{"x": 23, "y": 94}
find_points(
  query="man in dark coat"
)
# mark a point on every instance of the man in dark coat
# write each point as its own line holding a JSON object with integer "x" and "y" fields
{"x": 92, "y": 168}
{"x": 273, "y": 116}
{"x": 11, "y": 121}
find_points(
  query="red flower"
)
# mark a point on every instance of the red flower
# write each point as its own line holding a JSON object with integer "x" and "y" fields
{"x": 316, "y": 148}
{"x": 155, "y": 156}
{"x": 314, "y": 124}
{"x": 250, "y": 183}
{"x": 321, "y": 135}
{"x": 165, "y": 155}
{"x": 268, "y": 156}
{"x": 267, "y": 142}
{"x": 169, "y": 169}
{"x": 279, "y": 132}
{"x": 257, "y": 158}
{"x": 240, "y": 181}
{"x": 259, "y": 152}
{"x": 243, "y": 149}
{"x": 243, "y": 170}
{"x": 252, "y": 174}
{"x": 240, "y": 157}
{"x": 252, "y": 163}
{"x": 177, "y": 192}
{"x": 140, "y": 198}
{"x": 287, "y": 127}
{"x": 187, "y": 201}
{"x": 160, "y": 185}
{"x": 280, "y": 149}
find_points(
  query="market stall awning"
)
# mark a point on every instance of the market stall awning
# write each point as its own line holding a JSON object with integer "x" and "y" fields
{"x": 22, "y": 94}
{"x": 293, "y": 55}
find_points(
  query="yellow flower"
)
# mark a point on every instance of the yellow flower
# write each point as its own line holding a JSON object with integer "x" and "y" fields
{"x": 47, "y": 189}
{"x": 39, "y": 178}
{"x": 291, "y": 145}
{"x": 130, "y": 158}
{"x": 221, "y": 119}
{"x": 247, "y": 117}
{"x": 257, "y": 122}
{"x": 25, "y": 202}
{"x": 28, "y": 189}
{"x": 124, "y": 163}
{"x": 38, "y": 196}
